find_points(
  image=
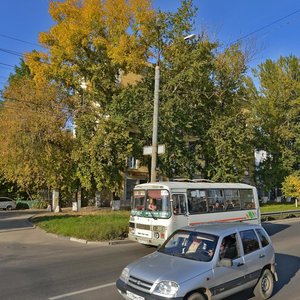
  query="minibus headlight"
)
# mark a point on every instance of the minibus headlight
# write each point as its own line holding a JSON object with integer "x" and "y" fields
{"x": 159, "y": 228}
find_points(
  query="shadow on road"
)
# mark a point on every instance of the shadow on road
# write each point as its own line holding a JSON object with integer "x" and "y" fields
{"x": 16, "y": 220}
{"x": 272, "y": 228}
{"x": 19, "y": 213}
{"x": 285, "y": 274}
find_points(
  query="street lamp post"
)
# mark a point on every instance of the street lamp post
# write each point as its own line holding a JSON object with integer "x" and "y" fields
{"x": 155, "y": 123}
{"x": 155, "y": 114}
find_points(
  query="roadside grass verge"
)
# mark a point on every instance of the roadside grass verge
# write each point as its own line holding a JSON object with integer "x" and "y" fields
{"x": 100, "y": 226}
{"x": 108, "y": 225}
{"x": 279, "y": 207}
{"x": 275, "y": 207}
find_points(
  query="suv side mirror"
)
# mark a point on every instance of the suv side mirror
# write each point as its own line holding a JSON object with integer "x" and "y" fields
{"x": 225, "y": 262}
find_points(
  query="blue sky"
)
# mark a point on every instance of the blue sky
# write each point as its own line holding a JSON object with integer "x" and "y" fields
{"x": 225, "y": 21}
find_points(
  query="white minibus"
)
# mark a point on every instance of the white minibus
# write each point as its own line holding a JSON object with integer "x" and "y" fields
{"x": 158, "y": 209}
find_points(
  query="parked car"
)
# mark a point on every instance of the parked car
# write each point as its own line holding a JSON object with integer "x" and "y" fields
{"x": 208, "y": 261}
{"x": 7, "y": 203}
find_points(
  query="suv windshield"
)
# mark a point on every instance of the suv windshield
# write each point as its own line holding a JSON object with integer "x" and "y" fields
{"x": 151, "y": 203}
{"x": 190, "y": 245}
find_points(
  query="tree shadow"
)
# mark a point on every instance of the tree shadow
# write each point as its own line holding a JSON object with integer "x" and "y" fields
{"x": 18, "y": 213}
{"x": 7, "y": 224}
{"x": 16, "y": 220}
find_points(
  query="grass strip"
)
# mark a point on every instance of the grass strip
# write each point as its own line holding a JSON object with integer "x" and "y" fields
{"x": 275, "y": 207}
{"x": 111, "y": 225}
{"x": 102, "y": 226}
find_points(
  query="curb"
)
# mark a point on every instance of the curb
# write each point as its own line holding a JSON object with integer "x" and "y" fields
{"x": 99, "y": 243}
{"x": 72, "y": 239}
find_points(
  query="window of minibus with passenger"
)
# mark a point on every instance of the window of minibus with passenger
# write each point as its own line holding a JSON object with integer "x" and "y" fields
{"x": 219, "y": 200}
{"x": 151, "y": 203}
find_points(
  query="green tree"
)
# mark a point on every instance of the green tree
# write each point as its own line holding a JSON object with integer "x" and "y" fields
{"x": 20, "y": 72}
{"x": 204, "y": 112}
{"x": 276, "y": 115}
{"x": 229, "y": 137}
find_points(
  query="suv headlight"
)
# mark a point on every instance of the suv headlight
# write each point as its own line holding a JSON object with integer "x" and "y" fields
{"x": 166, "y": 289}
{"x": 125, "y": 275}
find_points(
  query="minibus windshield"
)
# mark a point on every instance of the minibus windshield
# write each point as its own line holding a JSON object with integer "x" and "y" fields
{"x": 151, "y": 203}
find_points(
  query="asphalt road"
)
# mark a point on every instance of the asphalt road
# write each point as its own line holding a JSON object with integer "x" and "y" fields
{"x": 36, "y": 265}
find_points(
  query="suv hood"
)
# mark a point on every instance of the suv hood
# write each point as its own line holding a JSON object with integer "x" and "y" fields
{"x": 160, "y": 266}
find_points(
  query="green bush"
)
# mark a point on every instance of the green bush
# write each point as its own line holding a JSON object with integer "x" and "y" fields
{"x": 22, "y": 205}
{"x": 39, "y": 204}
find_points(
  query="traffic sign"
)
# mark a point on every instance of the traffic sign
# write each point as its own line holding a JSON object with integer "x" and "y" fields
{"x": 147, "y": 150}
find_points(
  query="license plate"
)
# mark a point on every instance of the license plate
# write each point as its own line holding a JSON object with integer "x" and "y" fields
{"x": 134, "y": 296}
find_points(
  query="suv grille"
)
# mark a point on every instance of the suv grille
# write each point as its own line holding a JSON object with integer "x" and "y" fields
{"x": 139, "y": 284}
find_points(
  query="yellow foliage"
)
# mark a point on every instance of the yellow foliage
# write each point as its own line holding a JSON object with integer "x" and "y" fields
{"x": 291, "y": 186}
{"x": 119, "y": 28}
{"x": 31, "y": 121}
{"x": 37, "y": 62}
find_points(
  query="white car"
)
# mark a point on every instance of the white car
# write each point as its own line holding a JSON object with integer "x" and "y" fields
{"x": 7, "y": 203}
{"x": 204, "y": 262}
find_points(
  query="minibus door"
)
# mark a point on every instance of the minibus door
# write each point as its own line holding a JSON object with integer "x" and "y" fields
{"x": 179, "y": 210}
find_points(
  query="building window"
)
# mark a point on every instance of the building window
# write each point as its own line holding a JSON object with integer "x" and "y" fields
{"x": 132, "y": 163}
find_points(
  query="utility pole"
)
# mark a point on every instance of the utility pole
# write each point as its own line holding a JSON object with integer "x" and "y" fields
{"x": 155, "y": 124}
{"x": 155, "y": 109}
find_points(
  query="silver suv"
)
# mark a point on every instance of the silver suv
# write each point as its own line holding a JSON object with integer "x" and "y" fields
{"x": 208, "y": 261}
{"x": 7, "y": 203}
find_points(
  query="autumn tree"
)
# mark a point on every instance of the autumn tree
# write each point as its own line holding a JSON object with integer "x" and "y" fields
{"x": 36, "y": 145}
{"x": 203, "y": 112}
{"x": 291, "y": 185}
{"x": 92, "y": 43}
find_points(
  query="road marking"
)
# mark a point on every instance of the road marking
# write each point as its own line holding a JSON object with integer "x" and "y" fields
{"x": 83, "y": 291}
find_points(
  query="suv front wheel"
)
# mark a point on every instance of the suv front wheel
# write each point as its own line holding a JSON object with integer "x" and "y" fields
{"x": 264, "y": 287}
{"x": 196, "y": 296}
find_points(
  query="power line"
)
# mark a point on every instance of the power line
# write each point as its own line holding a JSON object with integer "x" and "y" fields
{"x": 11, "y": 52}
{"x": 19, "y": 40}
{"x": 263, "y": 27}
{"x": 6, "y": 68}
{"x": 4, "y": 64}
{"x": 46, "y": 105}
{"x": 19, "y": 54}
